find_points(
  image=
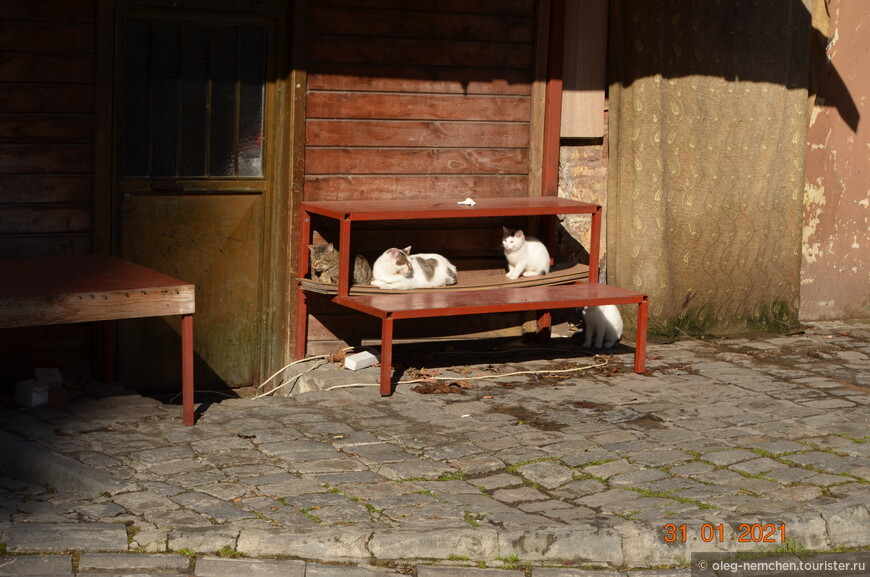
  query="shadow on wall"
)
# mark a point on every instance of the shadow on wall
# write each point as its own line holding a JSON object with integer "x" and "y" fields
{"x": 738, "y": 40}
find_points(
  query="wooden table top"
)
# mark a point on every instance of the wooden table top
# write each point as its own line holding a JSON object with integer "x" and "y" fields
{"x": 81, "y": 288}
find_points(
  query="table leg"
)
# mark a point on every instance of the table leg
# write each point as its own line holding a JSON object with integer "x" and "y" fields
{"x": 640, "y": 339}
{"x": 187, "y": 369}
{"x": 107, "y": 336}
{"x": 386, "y": 356}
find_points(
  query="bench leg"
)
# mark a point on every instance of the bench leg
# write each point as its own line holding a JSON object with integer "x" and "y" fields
{"x": 545, "y": 324}
{"x": 386, "y": 356}
{"x": 303, "y": 268}
{"x": 187, "y": 412}
{"x": 640, "y": 339}
{"x": 301, "y": 344}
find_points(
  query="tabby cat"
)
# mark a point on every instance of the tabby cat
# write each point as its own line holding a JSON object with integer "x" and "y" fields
{"x": 324, "y": 265}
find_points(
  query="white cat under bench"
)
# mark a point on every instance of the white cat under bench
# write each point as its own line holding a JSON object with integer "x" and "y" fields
{"x": 390, "y": 306}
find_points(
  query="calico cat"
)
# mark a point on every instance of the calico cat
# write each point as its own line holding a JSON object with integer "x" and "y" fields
{"x": 398, "y": 269}
{"x": 324, "y": 265}
{"x": 526, "y": 255}
{"x": 603, "y": 326}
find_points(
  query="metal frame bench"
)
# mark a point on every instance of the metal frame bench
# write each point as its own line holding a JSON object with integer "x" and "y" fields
{"x": 389, "y": 307}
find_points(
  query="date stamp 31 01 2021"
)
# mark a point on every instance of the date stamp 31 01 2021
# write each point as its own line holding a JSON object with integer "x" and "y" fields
{"x": 722, "y": 533}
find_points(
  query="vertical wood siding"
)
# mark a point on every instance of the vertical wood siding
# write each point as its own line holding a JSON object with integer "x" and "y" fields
{"x": 418, "y": 99}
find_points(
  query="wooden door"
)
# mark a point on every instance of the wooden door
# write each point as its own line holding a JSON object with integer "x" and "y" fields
{"x": 196, "y": 169}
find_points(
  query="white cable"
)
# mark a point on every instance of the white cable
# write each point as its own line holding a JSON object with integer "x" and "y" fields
{"x": 513, "y": 374}
{"x": 287, "y": 366}
{"x": 295, "y": 379}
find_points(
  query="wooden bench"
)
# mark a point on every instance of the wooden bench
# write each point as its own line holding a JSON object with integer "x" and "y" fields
{"x": 57, "y": 290}
{"x": 389, "y": 307}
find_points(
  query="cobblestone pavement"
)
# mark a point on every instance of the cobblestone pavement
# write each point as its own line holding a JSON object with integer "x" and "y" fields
{"x": 727, "y": 445}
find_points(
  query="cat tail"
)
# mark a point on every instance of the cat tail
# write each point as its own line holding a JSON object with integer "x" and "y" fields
{"x": 451, "y": 276}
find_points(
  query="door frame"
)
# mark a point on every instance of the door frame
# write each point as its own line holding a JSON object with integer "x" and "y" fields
{"x": 275, "y": 336}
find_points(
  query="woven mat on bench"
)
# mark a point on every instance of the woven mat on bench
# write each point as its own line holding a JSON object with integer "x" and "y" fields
{"x": 469, "y": 280}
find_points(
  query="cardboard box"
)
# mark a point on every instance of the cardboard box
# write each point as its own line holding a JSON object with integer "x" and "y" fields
{"x": 51, "y": 377}
{"x": 57, "y": 398}
{"x": 31, "y": 393}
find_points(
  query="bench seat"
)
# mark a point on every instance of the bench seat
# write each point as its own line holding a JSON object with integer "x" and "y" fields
{"x": 391, "y": 307}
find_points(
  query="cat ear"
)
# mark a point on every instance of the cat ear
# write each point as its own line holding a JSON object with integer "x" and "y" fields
{"x": 330, "y": 248}
{"x": 505, "y": 231}
{"x": 310, "y": 247}
{"x": 407, "y": 249}
{"x": 519, "y": 234}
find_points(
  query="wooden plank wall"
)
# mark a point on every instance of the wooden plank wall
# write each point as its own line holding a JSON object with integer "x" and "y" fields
{"x": 422, "y": 99}
{"x": 47, "y": 69}
{"x": 583, "y": 68}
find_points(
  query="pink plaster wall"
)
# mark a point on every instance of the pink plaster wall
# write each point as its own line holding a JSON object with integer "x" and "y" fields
{"x": 835, "y": 271}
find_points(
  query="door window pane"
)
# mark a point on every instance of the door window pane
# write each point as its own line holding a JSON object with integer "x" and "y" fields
{"x": 224, "y": 73}
{"x": 193, "y": 100}
{"x": 134, "y": 157}
{"x": 165, "y": 82}
{"x": 252, "y": 57}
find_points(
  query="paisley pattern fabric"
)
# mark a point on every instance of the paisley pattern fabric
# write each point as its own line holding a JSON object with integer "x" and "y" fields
{"x": 708, "y": 124}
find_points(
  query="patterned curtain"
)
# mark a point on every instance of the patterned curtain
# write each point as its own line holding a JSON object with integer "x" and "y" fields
{"x": 708, "y": 124}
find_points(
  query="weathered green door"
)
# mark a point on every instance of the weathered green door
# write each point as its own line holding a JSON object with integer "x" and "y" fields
{"x": 195, "y": 171}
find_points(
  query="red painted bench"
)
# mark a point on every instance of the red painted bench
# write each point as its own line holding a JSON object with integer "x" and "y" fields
{"x": 392, "y": 307}
{"x": 389, "y": 306}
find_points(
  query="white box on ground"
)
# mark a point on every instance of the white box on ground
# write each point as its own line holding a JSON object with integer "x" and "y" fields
{"x": 360, "y": 360}
{"x": 31, "y": 393}
{"x": 49, "y": 376}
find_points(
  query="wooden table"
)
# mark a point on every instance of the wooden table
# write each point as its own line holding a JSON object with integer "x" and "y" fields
{"x": 85, "y": 288}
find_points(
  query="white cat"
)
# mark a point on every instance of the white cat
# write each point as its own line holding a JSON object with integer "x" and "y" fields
{"x": 603, "y": 325}
{"x": 398, "y": 269}
{"x": 526, "y": 255}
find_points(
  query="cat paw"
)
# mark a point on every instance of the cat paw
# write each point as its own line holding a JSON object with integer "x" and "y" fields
{"x": 531, "y": 273}
{"x": 378, "y": 283}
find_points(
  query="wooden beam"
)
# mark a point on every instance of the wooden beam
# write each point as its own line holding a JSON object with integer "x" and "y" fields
{"x": 553, "y": 100}
{"x": 585, "y": 42}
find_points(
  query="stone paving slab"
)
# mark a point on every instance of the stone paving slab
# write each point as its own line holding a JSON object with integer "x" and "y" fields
{"x": 596, "y": 471}
{"x": 217, "y": 567}
{"x": 59, "y": 537}
{"x": 36, "y": 565}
